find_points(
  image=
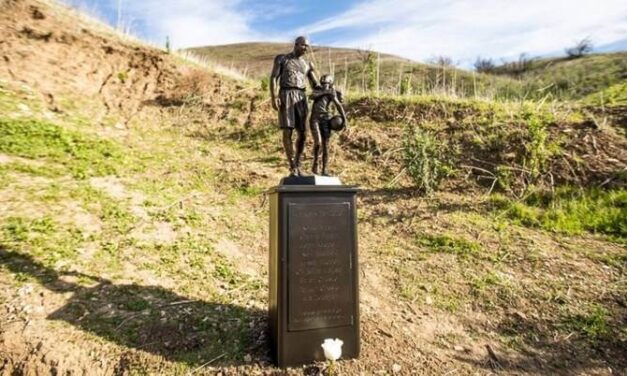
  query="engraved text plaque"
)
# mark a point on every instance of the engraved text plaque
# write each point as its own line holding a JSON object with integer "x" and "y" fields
{"x": 319, "y": 266}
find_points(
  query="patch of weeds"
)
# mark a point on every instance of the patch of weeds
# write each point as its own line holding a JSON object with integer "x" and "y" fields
{"x": 82, "y": 156}
{"x": 613, "y": 95}
{"x": 411, "y": 286}
{"x": 447, "y": 302}
{"x": 571, "y": 211}
{"x": 137, "y": 304}
{"x": 238, "y": 104}
{"x": 592, "y": 322}
{"x": 486, "y": 281}
{"x": 122, "y": 76}
{"x": 538, "y": 151}
{"x": 448, "y": 244}
{"x": 43, "y": 237}
{"x": 192, "y": 218}
{"x": 115, "y": 215}
{"x": 43, "y": 171}
{"x": 16, "y": 229}
{"x": 169, "y": 215}
{"x": 17, "y": 101}
{"x": 424, "y": 158}
{"x": 492, "y": 290}
{"x": 53, "y": 192}
{"x": 224, "y": 271}
{"x": 5, "y": 178}
{"x": 616, "y": 260}
{"x": 243, "y": 192}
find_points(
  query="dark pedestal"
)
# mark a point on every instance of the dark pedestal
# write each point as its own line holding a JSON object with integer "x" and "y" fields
{"x": 313, "y": 271}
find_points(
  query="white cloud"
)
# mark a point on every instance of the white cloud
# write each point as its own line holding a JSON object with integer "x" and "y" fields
{"x": 190, "y": 23}
{"x": 464, "y": 29}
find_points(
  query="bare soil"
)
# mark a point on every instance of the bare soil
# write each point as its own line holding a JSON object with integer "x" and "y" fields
{"x": 174, "y": 281}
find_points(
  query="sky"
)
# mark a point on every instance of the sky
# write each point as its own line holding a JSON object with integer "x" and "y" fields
{"x": 416, "y": 29}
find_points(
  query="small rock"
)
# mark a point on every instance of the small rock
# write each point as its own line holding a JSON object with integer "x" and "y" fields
{"x": 428, "y": 300}
{"x": 22, "y": 107}
{"x": 248, "y": 358}
{"x": 458, "y": 348}
{"x": 396, "y": 368}
{"x": 25, "y": 290}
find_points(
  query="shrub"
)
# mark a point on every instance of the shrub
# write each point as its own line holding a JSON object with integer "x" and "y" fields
{"x": 423, "y": 156}
{"x": 484, "y": 65}
{"x": 583, "y": 47}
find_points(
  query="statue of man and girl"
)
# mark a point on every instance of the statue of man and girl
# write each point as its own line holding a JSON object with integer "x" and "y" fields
{"x": 289, "y": 75}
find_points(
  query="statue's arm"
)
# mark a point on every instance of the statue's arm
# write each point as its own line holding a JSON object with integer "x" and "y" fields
{"x": 313, "y": 76}
{"x": 274, "y": 82}
{"x": 340, "y": 108}
{"x": 317, "y": 93}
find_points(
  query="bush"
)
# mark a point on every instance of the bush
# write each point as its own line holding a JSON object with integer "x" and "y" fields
{"x": 484, "y": 65}
{"x": 583, "y": 47}
{"x": 423, "y": 156}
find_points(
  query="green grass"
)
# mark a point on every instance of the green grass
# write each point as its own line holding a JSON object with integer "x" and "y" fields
{"x": 592, "y": 322}
{"x": 571, "y": 211}
{"x": 559, "y": 78}
{"x": 565, "y": 78}
{"x": 83, "y": 156}
{"x": 43, "y": 237}
{"x": 613, "y": 95}
{"x": 448, "y": 243}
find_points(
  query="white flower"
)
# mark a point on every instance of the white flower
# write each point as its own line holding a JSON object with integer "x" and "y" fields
{"x": 332, "y": 348}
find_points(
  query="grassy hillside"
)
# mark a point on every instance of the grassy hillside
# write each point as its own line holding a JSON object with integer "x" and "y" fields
{"x": 598, "y": 77}
{"x": 601, "y": 77}
{"x": 134, "y": 220}
{"x": 348, "y": 65}
{"x": 256, "y": 58}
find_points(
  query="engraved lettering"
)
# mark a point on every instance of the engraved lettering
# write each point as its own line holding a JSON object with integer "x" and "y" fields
{"x": 319, "y": 261}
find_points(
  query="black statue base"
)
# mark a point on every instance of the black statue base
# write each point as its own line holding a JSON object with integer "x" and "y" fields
{"x": 313, "y": 269}
{"x": 311, "y": 180}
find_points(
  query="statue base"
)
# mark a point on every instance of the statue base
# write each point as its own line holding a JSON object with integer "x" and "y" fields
{"x": 311, "y": 180}
{"x": 314, "y": 294}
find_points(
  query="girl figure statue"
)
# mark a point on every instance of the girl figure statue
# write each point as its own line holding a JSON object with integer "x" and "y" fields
{"x": 322, "y": 122}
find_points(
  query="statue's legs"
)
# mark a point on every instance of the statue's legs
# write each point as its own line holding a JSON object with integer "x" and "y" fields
{"x": 300, "y": 147}
{"x": 315, "y": 132}
{"x": 325, "y": 155}
{"x": 289, "y": 148}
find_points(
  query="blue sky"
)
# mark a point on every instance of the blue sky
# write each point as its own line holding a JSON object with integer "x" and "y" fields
{"x": 416, "y": 29}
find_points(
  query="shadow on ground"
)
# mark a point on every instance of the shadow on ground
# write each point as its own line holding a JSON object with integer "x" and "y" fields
{"x": 553, "y": 346}
{"x": 150, "y": 318}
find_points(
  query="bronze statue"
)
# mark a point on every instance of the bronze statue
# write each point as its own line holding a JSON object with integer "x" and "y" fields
{"x": 322, "y": 123}
{"x": 289, "y": 73}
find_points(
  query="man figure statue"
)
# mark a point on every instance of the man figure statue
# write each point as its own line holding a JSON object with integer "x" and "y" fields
{"x": 322, "y": 123}
{"x": 289, "y": 73}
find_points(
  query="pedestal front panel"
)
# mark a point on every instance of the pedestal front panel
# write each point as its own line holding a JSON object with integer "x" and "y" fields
{"x": 319, "y": 266}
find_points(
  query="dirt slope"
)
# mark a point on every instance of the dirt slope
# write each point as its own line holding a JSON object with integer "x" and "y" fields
{"x": 133, "y": 231}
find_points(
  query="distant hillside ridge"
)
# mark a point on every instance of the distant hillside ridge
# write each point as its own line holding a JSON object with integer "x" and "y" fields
{"x": 571, "y": 77}
{"x": 255, "y": 58}
{"x": 394, "y": 75}
{"x": 559, "y": 78}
